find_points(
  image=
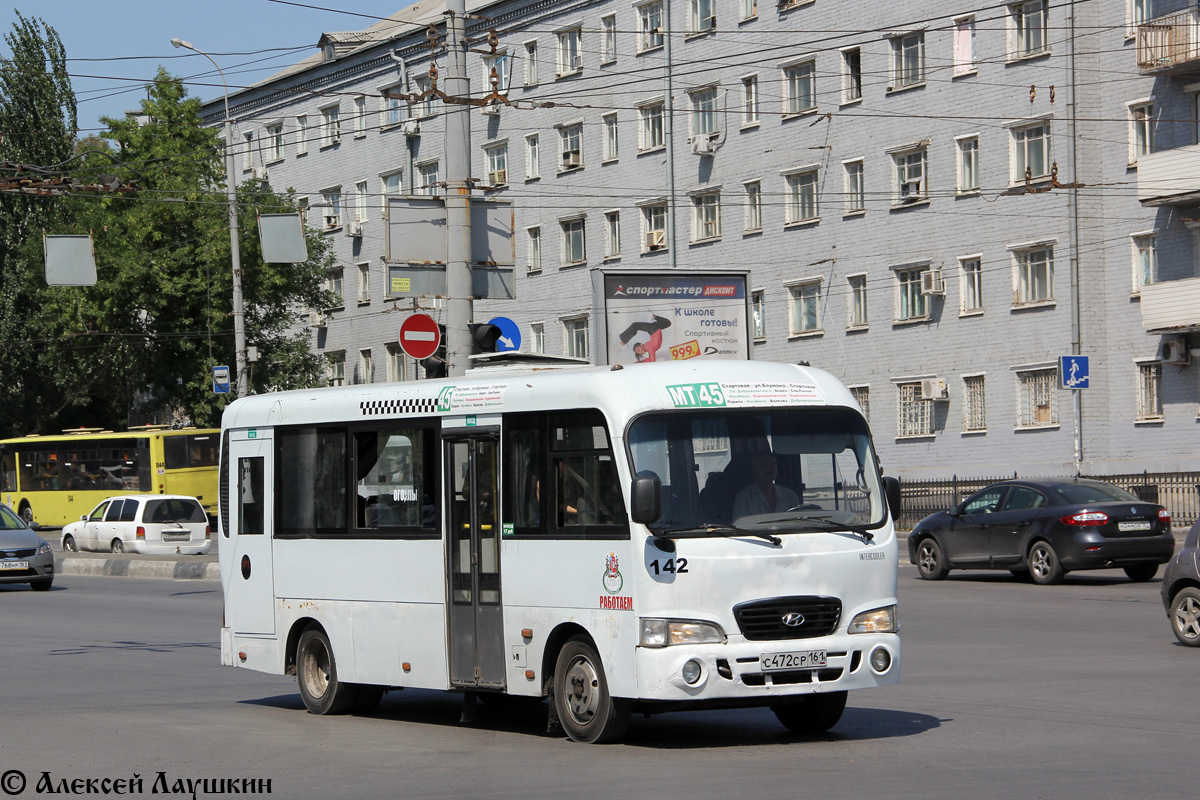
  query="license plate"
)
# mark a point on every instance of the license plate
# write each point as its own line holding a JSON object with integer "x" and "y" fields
{"x": 176, "y": 537}
{"x": 1133, "y": 526}
{"x": 14, "y": 565}
{"x": 803, "y": 659}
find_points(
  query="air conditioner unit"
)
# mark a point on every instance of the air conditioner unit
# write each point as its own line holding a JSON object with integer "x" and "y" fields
{"x": 932, "y": 283}
{"x": 934, "y": 389}
{"x": 656, "y": 240}
{"x": 498, "y": 178}
{"x": 261, "y": 174}
{"x": 316, "y": 319}
{"x": 571, "y": 160}
{"x": 411, "y": 127}
{"x": 492, "y": 108}
{"x": 1173, "y": 350}
{"x": 577, "y": 62}
{"x": 704, "y": 144}
{"x": 354, "y": 229}
{"x": 333, "y": 220}
{"x": 910, "y": 191}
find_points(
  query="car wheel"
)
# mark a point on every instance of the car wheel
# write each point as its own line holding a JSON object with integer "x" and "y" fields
{"x": 316, "y": 673}
{"x": 1185, "y": 616}
{"x": 117, "y": 546}
{"x": 588, "y": 713}
{"x": 930, "y": 561}
{"x": 1044, "y": 568}
{"x": 26, "y": 513}
{"x": 69, "y": 544}
{"x": 811, "y": 715}
{"x": 1141, "y": 572}
{"x": 41, "y": 586}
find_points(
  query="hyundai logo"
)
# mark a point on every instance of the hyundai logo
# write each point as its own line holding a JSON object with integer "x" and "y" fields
{"x": 1133, "y": 511}
{"x": 793, "y": 619}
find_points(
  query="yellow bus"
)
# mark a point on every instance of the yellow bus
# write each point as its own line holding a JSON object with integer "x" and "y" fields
{"x": 56, "y": 479}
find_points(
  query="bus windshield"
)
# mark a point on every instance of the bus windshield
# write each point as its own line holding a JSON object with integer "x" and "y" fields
{"x": 777, "y": 469}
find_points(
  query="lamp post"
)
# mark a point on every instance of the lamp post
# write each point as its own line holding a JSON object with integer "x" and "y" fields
{"x": 239, "y": 318}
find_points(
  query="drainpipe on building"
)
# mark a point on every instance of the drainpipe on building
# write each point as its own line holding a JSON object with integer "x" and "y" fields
{"x": 669, "y": 135}
{"x": 1073, "y": 204}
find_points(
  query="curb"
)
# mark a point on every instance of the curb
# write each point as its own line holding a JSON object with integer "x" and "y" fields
{"x": 126, "y": 568}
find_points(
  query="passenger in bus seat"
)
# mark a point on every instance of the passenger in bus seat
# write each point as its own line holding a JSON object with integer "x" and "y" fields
{"x": 763, "y": 496}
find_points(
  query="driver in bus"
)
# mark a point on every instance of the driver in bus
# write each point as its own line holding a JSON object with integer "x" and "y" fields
{"x": 763, "y": 496}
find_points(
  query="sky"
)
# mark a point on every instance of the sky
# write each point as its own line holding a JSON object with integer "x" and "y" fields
{"x": 114, "y": 47}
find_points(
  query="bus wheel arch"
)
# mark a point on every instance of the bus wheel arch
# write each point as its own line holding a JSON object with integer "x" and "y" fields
{"x": 321, "y": 688}
{"x": 293, "y": 639}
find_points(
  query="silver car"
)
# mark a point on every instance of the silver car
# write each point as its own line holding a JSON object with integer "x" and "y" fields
{"x": 25, "y": 557}
{"x": 1181, "y": 590}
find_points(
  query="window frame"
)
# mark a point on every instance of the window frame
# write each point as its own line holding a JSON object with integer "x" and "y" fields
{"x": 903, "y": 76}
{"x": 568, "y": 133}
{"x": 612, "y": 234}
{"x": 533, "y": 165}
{"x": 1149, "y": 404}
{"x": 798, "y": 201}
{"x": 911, "y": 305}
{"x": 533, "y": 249}
{"x": 651, "y": 126}
{"x": 804, "y": 307}
{"x": 970, "y": 284}
{"x": 1046, "y": 378}
{"x": 1141, "y": 128}
{"x": 608, "y": 41}
{"x": 331, "y": 125}
{"x": 857, "y": 307}
{"x": 1025, "y": 281}
{"x": 1019, "y": 143}
{"x": 569, "y": 46}
{"x": 706, "y": 216}
{"x": 753, "y": 216}
{"x": 610, "y": 144}
{"x": 852, "y": 78}
{"x": 749, "y": 104}
{"x": 1144, "y": 242}
{"x": 572, "y": 229}
{"x": 1019, "y": 29}
{"x": 758, "y": 315}
{"x": 914, "y": 416}
{"x": 274, "y": 136}
{"x": 796, "y": 75}
{"x": 964, "y": 66}
{"x": 705, "y": 118}
{"x": 974, "y": 403}
{"x": 902, "y": 168}
{"x": 576, "y": 325}
{"x": 854, "y": 188}
{"x": 966, "y": 153}
{"x": 650, "y": 27}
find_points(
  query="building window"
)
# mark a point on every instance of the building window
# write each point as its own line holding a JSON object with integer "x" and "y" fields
{"x": 393, "y": 105}
{"x": 1137, "y": 12}
{"x": 1037, "y": 401}
{"x": 393, "y": 186}
{"x": 427, "y": 177}
{"x": 914, "y": 415}
{"x": 964, "y": 45}
{"x": 360, "y": 117}
{"x": 1141, "y": 130}
{"x": 702, "y": 16}
{"x": 1027, "y": 29}
{"x": 1145, "y": 260}
{"x": 570, "y": 57}
{"x": 801, "y": 204}
{"x": 608, "y": 45}
{"x": 858, "y": 300}
{"x": 750, "y": 100}
{"x": 704, "y": 112}
{"x": 335, "y": 369}
{"x": 360, "y": 201}
{"x": 538, "y": 338}
{"x": 758, "y": 314}
{"x": 275, "y": 142}
{"x": 532, "y": 165}
{"x": 424, "y": 108}
{"x": 1035, "y": 275}
{"x": 574, "y": 248}
{"x": 575, "y": 337}
{"x": 968, "y": 164}
{"x": 331, "y": 126}
{"x": 908, "y": 61}
{"x": 502, "y": 65}
{"x": 971, "y": 284}
{"x": 533, "y": 249}
{"x": 753, "y": 206}
{"x": 497, "y": 164}
{"x": 909, "y": 174}
{"x": 910, "y": 303}
{"x": 612, "y": 234}
{"x": 654, "y": 219}
{"x": 650, "y": 35}
{"x": 799, "y": 88}
{"x": 706, "y": 216}
{"x": 747, "y": 9}
{"x": 364, "y": 283}
{"x": 570, "y": 147}
{"x": 650, "y": 126}
{"x": 804, "y": 308}
{"x": 531, "y": 64}
{"x": 851, "y": 75}
{"x": 248, "y": 151}
{"x": 1031, "y": 152}
{"x": 301, "y": 134}
{"x": 335, "y": 283}
{"x": 852, "y": 185}
{"x": 611, "y": 151}
{"x": 1149, "y": 394}
{"x": 332, "y": 199}
{"x": 397, "y": 363}
{"x": 366, "y": 368}
{"x": 974, "y": 405}
{"x": 862, "y": 396}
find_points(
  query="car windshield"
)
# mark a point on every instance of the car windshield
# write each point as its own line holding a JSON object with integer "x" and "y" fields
{"x": 10, "y": 521}
{"x": 1093, "y": 493}
{"x": 173, "y": 509}
{"x": 779, "y": 469}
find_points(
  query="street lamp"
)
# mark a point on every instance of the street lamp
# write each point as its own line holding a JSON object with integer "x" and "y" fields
{"x": 239, "y": 318}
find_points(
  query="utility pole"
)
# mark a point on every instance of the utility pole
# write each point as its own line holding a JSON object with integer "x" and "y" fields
{"x": 459, "y": 309}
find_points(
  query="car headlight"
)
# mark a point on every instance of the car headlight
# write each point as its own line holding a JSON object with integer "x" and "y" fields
{"x": 879, "y": 620}
{"x": 666, "y": 632}
{"x": 44, "y": 549}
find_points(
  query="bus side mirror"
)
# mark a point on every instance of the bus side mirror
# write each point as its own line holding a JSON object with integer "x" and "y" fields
{"x": 891, "y": 490}
{"x": 646, "y": 499}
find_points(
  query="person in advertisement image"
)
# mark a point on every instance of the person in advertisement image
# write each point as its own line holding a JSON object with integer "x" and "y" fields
{"x": 646, "y": 350}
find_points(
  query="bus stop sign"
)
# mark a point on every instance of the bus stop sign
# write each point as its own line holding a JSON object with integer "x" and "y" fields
{"x": 221, "y": 380}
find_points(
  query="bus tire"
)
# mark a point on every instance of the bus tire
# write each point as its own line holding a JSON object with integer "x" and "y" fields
{"x": 812, "y": 714}
{"x": 25, "y": 513}
{"x": 69, "y": 544}
{"x": 316, "y": 674}
{"x": 588, "y": 713}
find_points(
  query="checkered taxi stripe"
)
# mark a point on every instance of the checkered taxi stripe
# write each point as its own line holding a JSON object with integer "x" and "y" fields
{"x": 373, "y": 408}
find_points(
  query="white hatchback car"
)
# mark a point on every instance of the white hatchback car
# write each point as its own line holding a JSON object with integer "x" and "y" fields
{"x": 144, "y": 523}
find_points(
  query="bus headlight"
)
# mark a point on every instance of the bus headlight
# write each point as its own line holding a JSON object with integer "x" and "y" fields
{"x": 880, "y": 620}
{"x": 666, "y": 632}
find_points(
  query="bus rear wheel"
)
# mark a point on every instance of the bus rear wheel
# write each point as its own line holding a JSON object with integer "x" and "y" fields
{"x": 316, "y": 673}
{"x": 25, "y": 513}
{"x": 813, "y": 714}
{"x": 586, "y": 710}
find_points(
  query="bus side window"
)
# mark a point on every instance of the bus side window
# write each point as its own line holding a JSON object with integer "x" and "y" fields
{"x": 250, "y": 495}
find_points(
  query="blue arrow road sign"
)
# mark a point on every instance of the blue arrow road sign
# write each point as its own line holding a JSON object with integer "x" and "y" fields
{"x": 1073, "y": 372}
{"x": 221, "y": 380}
{"x": 510, "y": 334}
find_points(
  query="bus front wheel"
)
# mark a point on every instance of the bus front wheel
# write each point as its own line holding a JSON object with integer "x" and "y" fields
{"x": 813, "y": 714}
{"x": 316, "y": 672}
{"x": 587, "y": 711}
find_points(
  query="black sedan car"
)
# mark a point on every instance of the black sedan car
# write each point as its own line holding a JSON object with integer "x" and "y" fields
{"x": 1045, "y": 529}
{"x": 25, "y": 557}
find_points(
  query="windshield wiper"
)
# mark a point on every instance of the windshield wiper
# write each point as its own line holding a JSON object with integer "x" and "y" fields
{"x": 829, "y": 524}
{"x": 722, "y": 530}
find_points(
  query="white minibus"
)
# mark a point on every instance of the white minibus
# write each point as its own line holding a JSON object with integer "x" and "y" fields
{"x": 658, "y": 537}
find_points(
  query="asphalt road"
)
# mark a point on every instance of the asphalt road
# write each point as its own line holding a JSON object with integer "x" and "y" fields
{"x": 1009, "y": 691}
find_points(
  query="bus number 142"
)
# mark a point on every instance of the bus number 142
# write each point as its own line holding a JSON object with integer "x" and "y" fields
{"x": 673, "y": 565}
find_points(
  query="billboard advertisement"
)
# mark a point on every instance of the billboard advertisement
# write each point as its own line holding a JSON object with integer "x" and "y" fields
{"x": 676, "y": 316}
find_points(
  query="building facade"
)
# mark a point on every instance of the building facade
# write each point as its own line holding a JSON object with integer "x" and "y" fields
{"x": 933, "y": 203}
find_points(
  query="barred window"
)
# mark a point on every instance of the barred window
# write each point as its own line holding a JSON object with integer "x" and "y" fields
{"x": 1149, "y": 395}
{"x": 915, "y": 416}
{"x": 1037, "y": 401}
{"x": 974, "y": 406}
{"x": 862, "y": 396}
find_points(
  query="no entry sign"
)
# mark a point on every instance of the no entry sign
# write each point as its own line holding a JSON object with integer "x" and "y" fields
{"x": 419, "y": 336}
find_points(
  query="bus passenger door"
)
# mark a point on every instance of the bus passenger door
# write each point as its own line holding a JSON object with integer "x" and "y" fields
{"x": 250, "y": 593}
{"x": 473, "y": 554}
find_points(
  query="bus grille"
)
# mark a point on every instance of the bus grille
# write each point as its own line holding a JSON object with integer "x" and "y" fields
{"x": 762, "y": 620}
